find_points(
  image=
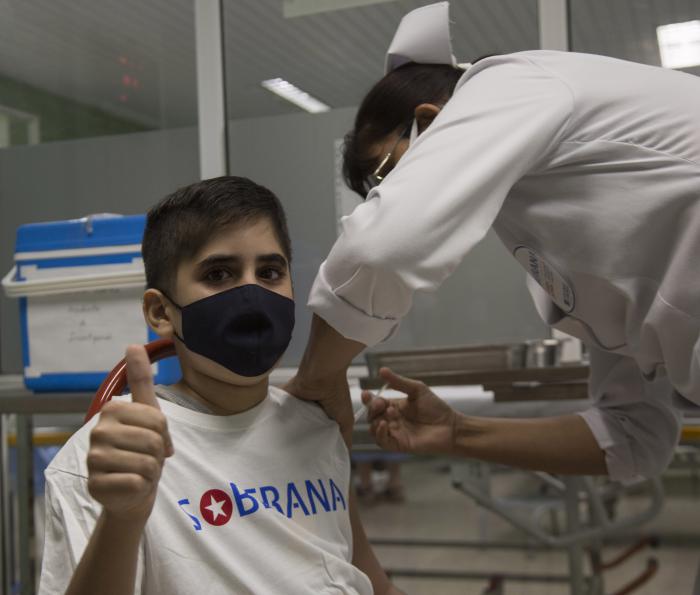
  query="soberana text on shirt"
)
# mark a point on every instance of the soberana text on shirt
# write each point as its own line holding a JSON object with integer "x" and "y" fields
{"x": 216, "y": 506}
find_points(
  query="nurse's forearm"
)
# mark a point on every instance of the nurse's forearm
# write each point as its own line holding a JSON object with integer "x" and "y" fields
{"x": 108, "y": 565}
{"x": 563, "y": 445}
{"x": 327, "y": 353}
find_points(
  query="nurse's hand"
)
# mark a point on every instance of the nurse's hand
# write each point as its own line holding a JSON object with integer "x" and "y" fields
{"x": 332, "y": 393}
{"x": 129, "y": 445}
{"x": 421, "y": 423}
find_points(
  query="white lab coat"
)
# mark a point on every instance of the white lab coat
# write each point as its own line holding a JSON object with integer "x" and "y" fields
{"x": 588, "y": 169}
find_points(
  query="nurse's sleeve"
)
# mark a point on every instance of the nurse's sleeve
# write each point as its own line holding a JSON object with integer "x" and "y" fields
{"x": 442, "y": 197}
{"x": 633, "y": 419}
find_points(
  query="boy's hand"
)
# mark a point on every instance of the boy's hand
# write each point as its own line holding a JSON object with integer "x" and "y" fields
{"x": 128, "y": 446}
{"x": 422, "y": 423}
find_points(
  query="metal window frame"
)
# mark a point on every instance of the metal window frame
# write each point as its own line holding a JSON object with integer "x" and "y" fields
{"x": 31, "y": 121}
{"x": 553, "y": 20}
{"x": 211, "y": 88}
{"x": 554, "y": 31}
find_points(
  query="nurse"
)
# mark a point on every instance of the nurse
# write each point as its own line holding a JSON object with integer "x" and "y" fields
{"x": 588, "y": 169}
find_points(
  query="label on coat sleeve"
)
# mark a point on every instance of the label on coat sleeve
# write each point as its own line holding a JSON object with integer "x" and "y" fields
{"x": 547, "y": 277}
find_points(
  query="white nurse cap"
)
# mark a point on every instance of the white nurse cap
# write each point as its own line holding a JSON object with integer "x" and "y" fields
{"x": 423, "y": 36}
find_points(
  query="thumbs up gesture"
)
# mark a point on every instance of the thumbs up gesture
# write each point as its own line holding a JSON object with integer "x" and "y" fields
{"x": 128, "y": 446}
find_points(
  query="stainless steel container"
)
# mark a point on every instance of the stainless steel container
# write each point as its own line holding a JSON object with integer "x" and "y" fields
{"x": 542, "y": 353}
{"x": 418, "y": 362}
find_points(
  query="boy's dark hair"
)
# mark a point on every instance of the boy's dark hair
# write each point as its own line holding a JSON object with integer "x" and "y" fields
{"x": 181, "y": 224}
{"x": 388, "y": 107}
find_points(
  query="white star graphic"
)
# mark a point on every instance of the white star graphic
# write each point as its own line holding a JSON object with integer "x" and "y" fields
{"x": 216, "y": 508}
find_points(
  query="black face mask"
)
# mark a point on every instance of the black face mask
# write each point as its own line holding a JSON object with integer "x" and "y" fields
{"x": 245, "y": 329}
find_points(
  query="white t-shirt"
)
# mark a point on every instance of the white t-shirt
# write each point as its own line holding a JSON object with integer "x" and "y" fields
{"x": 249, "y": 503}
{"x": 588, "y": 169}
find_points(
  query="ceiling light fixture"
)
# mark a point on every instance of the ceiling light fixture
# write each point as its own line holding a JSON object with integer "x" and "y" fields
{"x": 295, "y": 95}
{"x": 679, "y": 44}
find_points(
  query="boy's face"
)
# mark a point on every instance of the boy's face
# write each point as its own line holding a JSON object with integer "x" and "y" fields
{"x": 239, "y": 255}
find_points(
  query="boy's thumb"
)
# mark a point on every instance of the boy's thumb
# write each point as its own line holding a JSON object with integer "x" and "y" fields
{"x": 139, "y": 376}
{"x": 140, "y": 379}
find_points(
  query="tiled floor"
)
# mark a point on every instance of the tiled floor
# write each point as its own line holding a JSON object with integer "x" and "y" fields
{"x": 435, "y": 510}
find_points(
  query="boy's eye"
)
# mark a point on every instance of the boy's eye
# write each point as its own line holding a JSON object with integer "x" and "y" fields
{"x": 217, "y": 275}
{"x": 271, "y": 273}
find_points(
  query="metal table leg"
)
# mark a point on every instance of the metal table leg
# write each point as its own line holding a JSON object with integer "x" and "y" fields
{"x": 6, "y": 566}
{"x": 16, "y": 400}
{"x": 25, "y": 498}
{"x": 573, "y": 524}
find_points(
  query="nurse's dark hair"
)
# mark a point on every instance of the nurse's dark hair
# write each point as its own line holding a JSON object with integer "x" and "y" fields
{"x": 389, "y": 107}
{"x": 180, "y": 225}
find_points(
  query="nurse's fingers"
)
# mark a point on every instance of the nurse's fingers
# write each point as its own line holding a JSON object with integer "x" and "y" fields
{"x": 406, "y": 385}
{"x": 381, "y": 434}
{"x": 374, "y": 426}
{"x": 140, "y": 379}
{"x": 377, "y": 408}
{"x": 375, "y": 405}
{"x": 392, "y": 412}
{"x": 366, "y": 397}
{"x": 390, "y": 416}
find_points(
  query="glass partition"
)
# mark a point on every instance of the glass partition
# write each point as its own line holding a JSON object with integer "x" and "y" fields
{"x": 334, "y": 51}
{"x": 98, "y": 113}
{"x": 84, "y": 69}
{"x": 639, "y": 30}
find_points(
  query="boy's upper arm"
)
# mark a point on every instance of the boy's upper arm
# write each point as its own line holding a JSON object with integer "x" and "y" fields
{"x": 363, "y": 556}
{"x": 71, "y": 516}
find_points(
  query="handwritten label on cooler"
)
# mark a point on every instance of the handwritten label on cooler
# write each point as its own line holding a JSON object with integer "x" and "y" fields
{"x": 82, "y": 332}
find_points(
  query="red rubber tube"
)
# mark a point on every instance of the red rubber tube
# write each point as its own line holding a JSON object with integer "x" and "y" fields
{"x": 116, "y": 380}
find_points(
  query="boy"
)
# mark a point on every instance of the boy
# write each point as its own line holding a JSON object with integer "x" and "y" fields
{"x": 254, "y": 497}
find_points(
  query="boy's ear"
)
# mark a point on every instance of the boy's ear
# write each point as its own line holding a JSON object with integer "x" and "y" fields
{"x": 156, "y": 309}
{"x": 425, "y": 114}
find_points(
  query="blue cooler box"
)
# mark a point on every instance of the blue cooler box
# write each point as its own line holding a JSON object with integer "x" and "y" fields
{"x": 80, "y": 285}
